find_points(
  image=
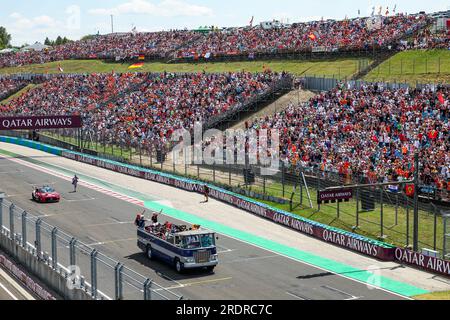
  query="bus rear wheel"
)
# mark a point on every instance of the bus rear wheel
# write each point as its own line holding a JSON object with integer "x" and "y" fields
{"x": 149, "y": 253}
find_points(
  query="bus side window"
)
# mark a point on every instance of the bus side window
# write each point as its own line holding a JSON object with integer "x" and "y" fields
{"x": 178, "y": 241}
{"x": 171, "y": 239}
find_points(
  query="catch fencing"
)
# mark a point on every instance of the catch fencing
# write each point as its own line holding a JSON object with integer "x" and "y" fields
{"x": 84, "y": 267}
{"x": 378, "y": 212}
{"x": 326, "y": 84}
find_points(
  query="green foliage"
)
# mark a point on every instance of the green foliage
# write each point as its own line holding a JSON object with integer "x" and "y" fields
{"x": 5, "y": 38}
{"x": 59, "y": 41}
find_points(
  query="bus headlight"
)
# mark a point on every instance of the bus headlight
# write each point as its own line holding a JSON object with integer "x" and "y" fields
{"x": 214, "y": 257}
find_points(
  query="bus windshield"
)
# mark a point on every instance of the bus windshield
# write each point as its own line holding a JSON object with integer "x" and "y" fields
{"x": 198, "y": 241}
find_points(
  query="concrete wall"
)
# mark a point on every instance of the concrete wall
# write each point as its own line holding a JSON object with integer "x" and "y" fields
{"x": 41, "y": 270}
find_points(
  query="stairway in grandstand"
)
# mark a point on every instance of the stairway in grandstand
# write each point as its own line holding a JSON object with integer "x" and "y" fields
{"x": 171, "y": 56}
{"x": 294, "y": 97}
{"x": 16, "y": 94}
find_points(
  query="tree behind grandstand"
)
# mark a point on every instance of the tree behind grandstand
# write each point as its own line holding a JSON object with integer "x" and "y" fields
{"x": 5, "y": 38}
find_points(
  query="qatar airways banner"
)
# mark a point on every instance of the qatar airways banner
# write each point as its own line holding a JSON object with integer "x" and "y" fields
{"x": 40, "y": 122}
{"x": 317, "y": 230}
{"x": 421, "y": 261}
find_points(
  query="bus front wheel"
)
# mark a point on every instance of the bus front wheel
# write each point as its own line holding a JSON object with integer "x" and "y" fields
{"x": 179, "y": 266}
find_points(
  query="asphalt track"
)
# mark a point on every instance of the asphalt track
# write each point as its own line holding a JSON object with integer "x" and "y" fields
{"x": 105, "y": 222}
{"x": 10, "y": 289}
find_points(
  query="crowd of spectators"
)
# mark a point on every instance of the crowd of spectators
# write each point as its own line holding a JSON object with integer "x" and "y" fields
{"x": 355, "y": 34}
{"x": 140, "y": 108}
{"x": 426, "y": 39}
{"x": 113, "y": 46}
{"x": 330, "y": 35}
{"x": 370, "y": 132}
{"x": 9, "y": 86}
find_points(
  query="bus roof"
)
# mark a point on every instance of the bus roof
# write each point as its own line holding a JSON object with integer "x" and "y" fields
{"x": 194, "y": 233}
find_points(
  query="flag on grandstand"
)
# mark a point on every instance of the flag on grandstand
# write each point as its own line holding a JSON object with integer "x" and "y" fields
{"x": 381, "y": 10}
{"x": 387, "y": 11}
{"x": 251, "y": 21}
{"x": 60, "y": 68}
{"x": 373, "y": 11}
{"x": 207, "y": 55}
{"x": 136, "y": 65}
{"x": 395, "y": 9}
{"x": 441, "y": 98}
{"x": 410, "y": 190}
{"x": 141, "y": 57}
{"x": 312, "y": 36}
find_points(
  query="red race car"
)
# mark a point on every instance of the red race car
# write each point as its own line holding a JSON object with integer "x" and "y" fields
{"x": 45, "y": 194}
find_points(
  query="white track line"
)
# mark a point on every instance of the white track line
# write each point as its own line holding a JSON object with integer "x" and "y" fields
{"x": 11, "y": 281}
{"x": 8, "y": 292}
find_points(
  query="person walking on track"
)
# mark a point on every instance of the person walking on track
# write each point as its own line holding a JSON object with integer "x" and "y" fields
{"x": 75, "y": 183}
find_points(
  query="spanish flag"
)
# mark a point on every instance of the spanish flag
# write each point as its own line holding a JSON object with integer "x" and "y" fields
{"x": 312, "y": 36}
{"x": 410, "y": 190}
{"x": 136, "y": 65}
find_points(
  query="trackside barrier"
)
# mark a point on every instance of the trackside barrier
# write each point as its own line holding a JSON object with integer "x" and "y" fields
{"x": 25, "y": 279}
{"x": 71, "y": 268}
{"x": 345, "y": 239}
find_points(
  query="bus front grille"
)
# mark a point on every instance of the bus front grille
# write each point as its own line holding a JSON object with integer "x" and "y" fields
{"x": 202, "y": 256}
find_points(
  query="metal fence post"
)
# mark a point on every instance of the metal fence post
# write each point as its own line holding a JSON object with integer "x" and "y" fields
{"x": 396, "y": 209}
{"x": 357, "y": 208}
{"x": 381, "y": 213}
{"x": 38, "y": 237}
{"x": 72, "y": 254}
{"x": 283, "y": 172}
{"x": 185, "y": 162}
{"x": 54, "y": 249}
{"x": 407, "y": 220}
{"x": 2, "y": 195}
{"x": 149, "y": 151}
{"x": 147, "y": 292}
{"x": 338, "y": 210}
{"x": 11, "y": 221}
{"x": 94, "y": 273}
{"x": 416, "y": 204}
{"x": 24, "y": 229}
{"x": 118, "y": 281}
{"x": 173, "y": 160}
{"x": 318, "y": 187}
{"x": 435, "y": 227}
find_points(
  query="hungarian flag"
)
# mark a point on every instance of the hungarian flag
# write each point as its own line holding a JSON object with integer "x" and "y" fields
{"x": 410, "y": 190}
{"x": 136, "y": 65}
